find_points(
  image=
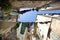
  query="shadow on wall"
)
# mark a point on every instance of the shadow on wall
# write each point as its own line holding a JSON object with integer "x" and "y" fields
{"x": 49, "y": 31}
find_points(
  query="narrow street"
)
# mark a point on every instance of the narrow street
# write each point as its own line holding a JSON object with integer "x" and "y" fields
{"x": 12, "y": 35}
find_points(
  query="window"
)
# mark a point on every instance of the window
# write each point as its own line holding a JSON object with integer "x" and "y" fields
{"x": 23, "y": 27}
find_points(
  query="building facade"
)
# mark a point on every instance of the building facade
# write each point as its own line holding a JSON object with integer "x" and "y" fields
{"x": 47, "y": 27}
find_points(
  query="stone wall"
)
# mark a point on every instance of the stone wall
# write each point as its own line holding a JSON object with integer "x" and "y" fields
{"x": 56, "y": 26}
{"x": 28, "y": 4}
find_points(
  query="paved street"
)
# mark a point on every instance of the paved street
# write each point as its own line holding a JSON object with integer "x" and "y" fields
{"x": 12, "y": 35}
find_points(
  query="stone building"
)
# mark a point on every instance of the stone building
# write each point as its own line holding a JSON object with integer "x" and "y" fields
{"x": 7, "y": 30}
{"x": 48, "y": 27}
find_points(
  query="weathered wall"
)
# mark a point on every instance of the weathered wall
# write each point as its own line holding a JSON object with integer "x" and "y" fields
{"x": 19, "y": 35}
{"x": 28, "y": 4}
{"x": 56, "y": 26}
{"x": 42, "y": 18}
{"x": 42, "y": 29}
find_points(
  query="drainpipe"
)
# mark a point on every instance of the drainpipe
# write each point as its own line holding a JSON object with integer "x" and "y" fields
{"x": 35, "y": 29}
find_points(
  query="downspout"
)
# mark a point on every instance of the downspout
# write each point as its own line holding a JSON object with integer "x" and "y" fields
{"x": 35, "y": 29}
